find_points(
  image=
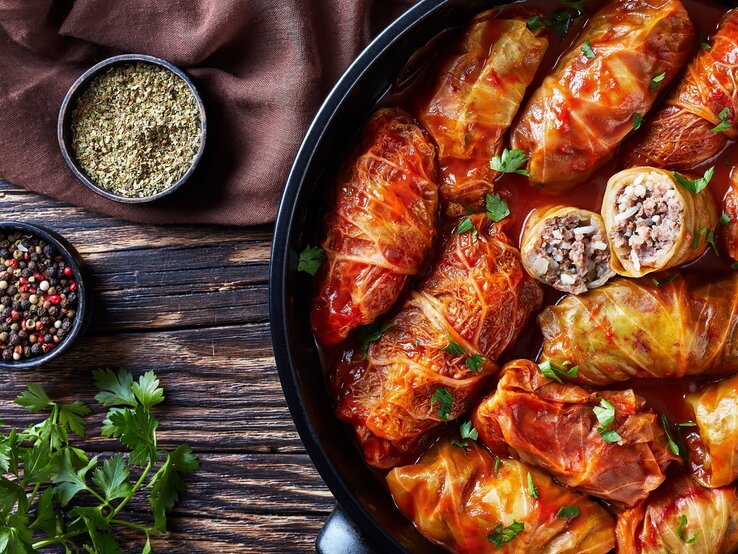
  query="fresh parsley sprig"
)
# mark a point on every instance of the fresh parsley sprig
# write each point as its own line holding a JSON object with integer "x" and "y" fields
{"x": 694, "y": 186}
{"x": 510, "y": 161}
{"x": 605, "y": 414}
{"x": 77, "y": 502}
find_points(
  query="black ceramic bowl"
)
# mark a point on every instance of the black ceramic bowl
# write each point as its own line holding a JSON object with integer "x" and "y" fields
{"x": 84, "y": 300}
{"x": 64, "y": 124}
{"x": 377, "y": 524}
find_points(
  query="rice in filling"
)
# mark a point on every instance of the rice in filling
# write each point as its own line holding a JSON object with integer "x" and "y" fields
{"x": 650, "y": 215}
{"x": 571, "y": 253}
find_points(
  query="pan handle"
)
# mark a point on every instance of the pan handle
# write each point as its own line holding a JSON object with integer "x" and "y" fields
{"x": 340, "y": 535}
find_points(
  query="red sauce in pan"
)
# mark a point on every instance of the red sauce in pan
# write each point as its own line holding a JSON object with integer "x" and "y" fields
{"x": 417, "y": 85}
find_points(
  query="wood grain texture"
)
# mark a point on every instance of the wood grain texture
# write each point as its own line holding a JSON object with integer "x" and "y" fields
{"x": 190, "y": 303}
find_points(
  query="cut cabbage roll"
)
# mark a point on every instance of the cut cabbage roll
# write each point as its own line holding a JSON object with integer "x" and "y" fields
{"x": 637, "y": 329}
{"x": 714, "y": 451}
{"x": 477, "y": 95}
{"x": 554, "y": 426}
{"x": 566, "y": 248}
{"x": 653, "y": 222}
{"x": 433, "y": 358}
{"x": 382, "y": 227}
{"x": 628, "y": 52}
{"x": 464, "y": 499}
{"x": 700, "y": 115}
{"x": 730, "y": 209}
{"x": 681, "y": 516}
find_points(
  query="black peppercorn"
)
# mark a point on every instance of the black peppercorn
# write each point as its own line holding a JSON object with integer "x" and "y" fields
{"x": 36, "y": 349}
{"x": 7, "y": 354}
{"x": 48, "y": 250}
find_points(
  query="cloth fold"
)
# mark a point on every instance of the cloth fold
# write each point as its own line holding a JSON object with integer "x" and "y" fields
{"x": 262, "y": 67}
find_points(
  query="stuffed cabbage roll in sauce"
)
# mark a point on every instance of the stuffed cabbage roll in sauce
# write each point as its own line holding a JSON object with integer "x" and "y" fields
{"x": 464, "y": 499}
{"x": 555, "y": 426}
{"x": 566, "y": 248}
{"x": 681, "y": 516}
{"x": 381, "y": 228}
{"x": 730, "y": 209}
{"x": 714, "y": 447}
{"x": 433, "y": 358}
{"x": 627, "y": 53}
{"x": 653, "y": 222}
{"x": 639, "y": 329}
{"x": 477, "y": 95}
{"x": 699, "y": 117}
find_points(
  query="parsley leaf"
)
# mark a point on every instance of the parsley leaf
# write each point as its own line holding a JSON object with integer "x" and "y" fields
{"x": 724, "y": 219}
{"x": 465, "y": 225}
{"x": 72, "y": 416}
{"x": 497, "y": 208}
{"x": 497, "y": 463}
{"x": 725, "y": 121}
{"x": 475, "y": 362}
{"x": 568, "y": 512}
{"x": 147, "y": 390}
{"x": 468, "y": 431}
{"x": 680, "y": 531}
{"x": 532, "y": 490}
{"x": 667, "y": 429}
{"x": 666, "y": 281}
{"x": 34, "y": 398}
{"x": 711, "y": 241}
{"x": 587, "y": 50}
{"x": 113, "y": 478}
{"x": 445, "y": 402}
{"x": 535, "y": 23}
{"x": 609, "y": 435}
{"x": 501, "y": 535}
{"x": 637, "y": 121}
{"x": 369, "y": 334}
{"x": 687, "y": 424}
{"x": 115, "y": 388}
{"x": 561, "y": 21}
{"x": 567, "y": 369}
{"x": 705, "y": 45}
{"x": 453, "y": 348}
{"x": 167, "y": 484}
{"x": 577, "y": 5}
{"x": 698, "y": 236}
{"x": 310, "y": 260}
{"x": 605, "y": 413}
{"x": 656, "y": 81}
{"x": 695, "y": 186}
{"x": 136, "y": 429}
{"x": 510, "y": 161}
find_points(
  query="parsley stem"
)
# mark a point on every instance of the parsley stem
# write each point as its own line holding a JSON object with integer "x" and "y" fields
{"x": 34, "y": 492}
{"x": 56, "y": 540}
{"x": 131, "y": 525}
{"x": 137, "y": 486}
{"x": 100, "y": 498}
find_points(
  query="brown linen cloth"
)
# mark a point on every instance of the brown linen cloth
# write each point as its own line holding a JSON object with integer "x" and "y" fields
{"x": 262, "y": 67}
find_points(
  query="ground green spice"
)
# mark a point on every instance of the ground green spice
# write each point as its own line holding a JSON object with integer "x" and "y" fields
{"x": 136, "y": 129}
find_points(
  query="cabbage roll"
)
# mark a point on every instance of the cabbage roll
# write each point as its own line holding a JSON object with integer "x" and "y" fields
{"x": 653, "y": 222}
{"x": 730, "y": 209}
{"x": 699, "y": 116}
{"x": 639, "y": 329}
{"x": 554, "y": 426}
{"x": 463, "y": 499}
{"x": 627, "y": 53}
{"x": 476, "y": 97}
{"x": 566, "y": 248}
{"x": 381, "y": 228}
{"x": 681, "y": 517}
{"x": 433, "y": 358}
{"x": 714, "y": 452}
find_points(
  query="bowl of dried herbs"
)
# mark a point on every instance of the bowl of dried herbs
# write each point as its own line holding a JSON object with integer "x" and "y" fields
{"x": 132, "y": 128}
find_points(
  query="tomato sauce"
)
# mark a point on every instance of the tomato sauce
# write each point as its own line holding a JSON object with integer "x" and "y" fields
{"x": 415, "y": 87}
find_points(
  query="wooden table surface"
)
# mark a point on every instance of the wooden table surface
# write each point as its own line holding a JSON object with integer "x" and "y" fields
{"x": 190, "y": 303}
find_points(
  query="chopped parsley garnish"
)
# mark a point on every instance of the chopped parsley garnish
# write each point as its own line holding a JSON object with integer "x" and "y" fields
{"x": 510, "y": 161}
{"x": 369, "y": 334}
{"x": 637, "y": 121}
{"x": 475, "y": 362}
{"x": 711, "y": 241}
{"x": 666, "y": 281}
{"x": 705, "y": 42}
{"x": 674, "y": 447}
{"x": 725, "y": 121}
{"x": 445, "y": 402}
{"x": 497, "y": 208}
{"x": 605, "y": 414}
{"x": 687, "y": 424}
{"x": 310, "y": 260}
{"x": 561, "y": 21}
{"x": 697, "y": 236}
{"x": 465, "y": 225}
{"x": 497, "y": 463}
{"x": 680, "y": 531}
{"x": 694, "y": 185}
{"x": 587, "y": 50}
{"x": 453, "y": 348}
{"x": 724, "y": 219}
{"x": 577, "y": 5}
{"x": 567, "y": 369}
{"x": 568, "y": 512}
{"x": 535, "y": 23}
{"x": 656, "y": 81}
{"x": 501, "y": 535}
{"x": 467, "y": 431}
{"x": 532, "y": 490}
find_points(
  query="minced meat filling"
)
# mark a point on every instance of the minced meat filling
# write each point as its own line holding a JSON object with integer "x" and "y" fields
{"x": 572, "y": 252}
{"x": 650, "y": 215}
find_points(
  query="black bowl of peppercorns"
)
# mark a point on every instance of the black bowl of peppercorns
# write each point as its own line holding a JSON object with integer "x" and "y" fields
{"x": 44, "y": 305}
